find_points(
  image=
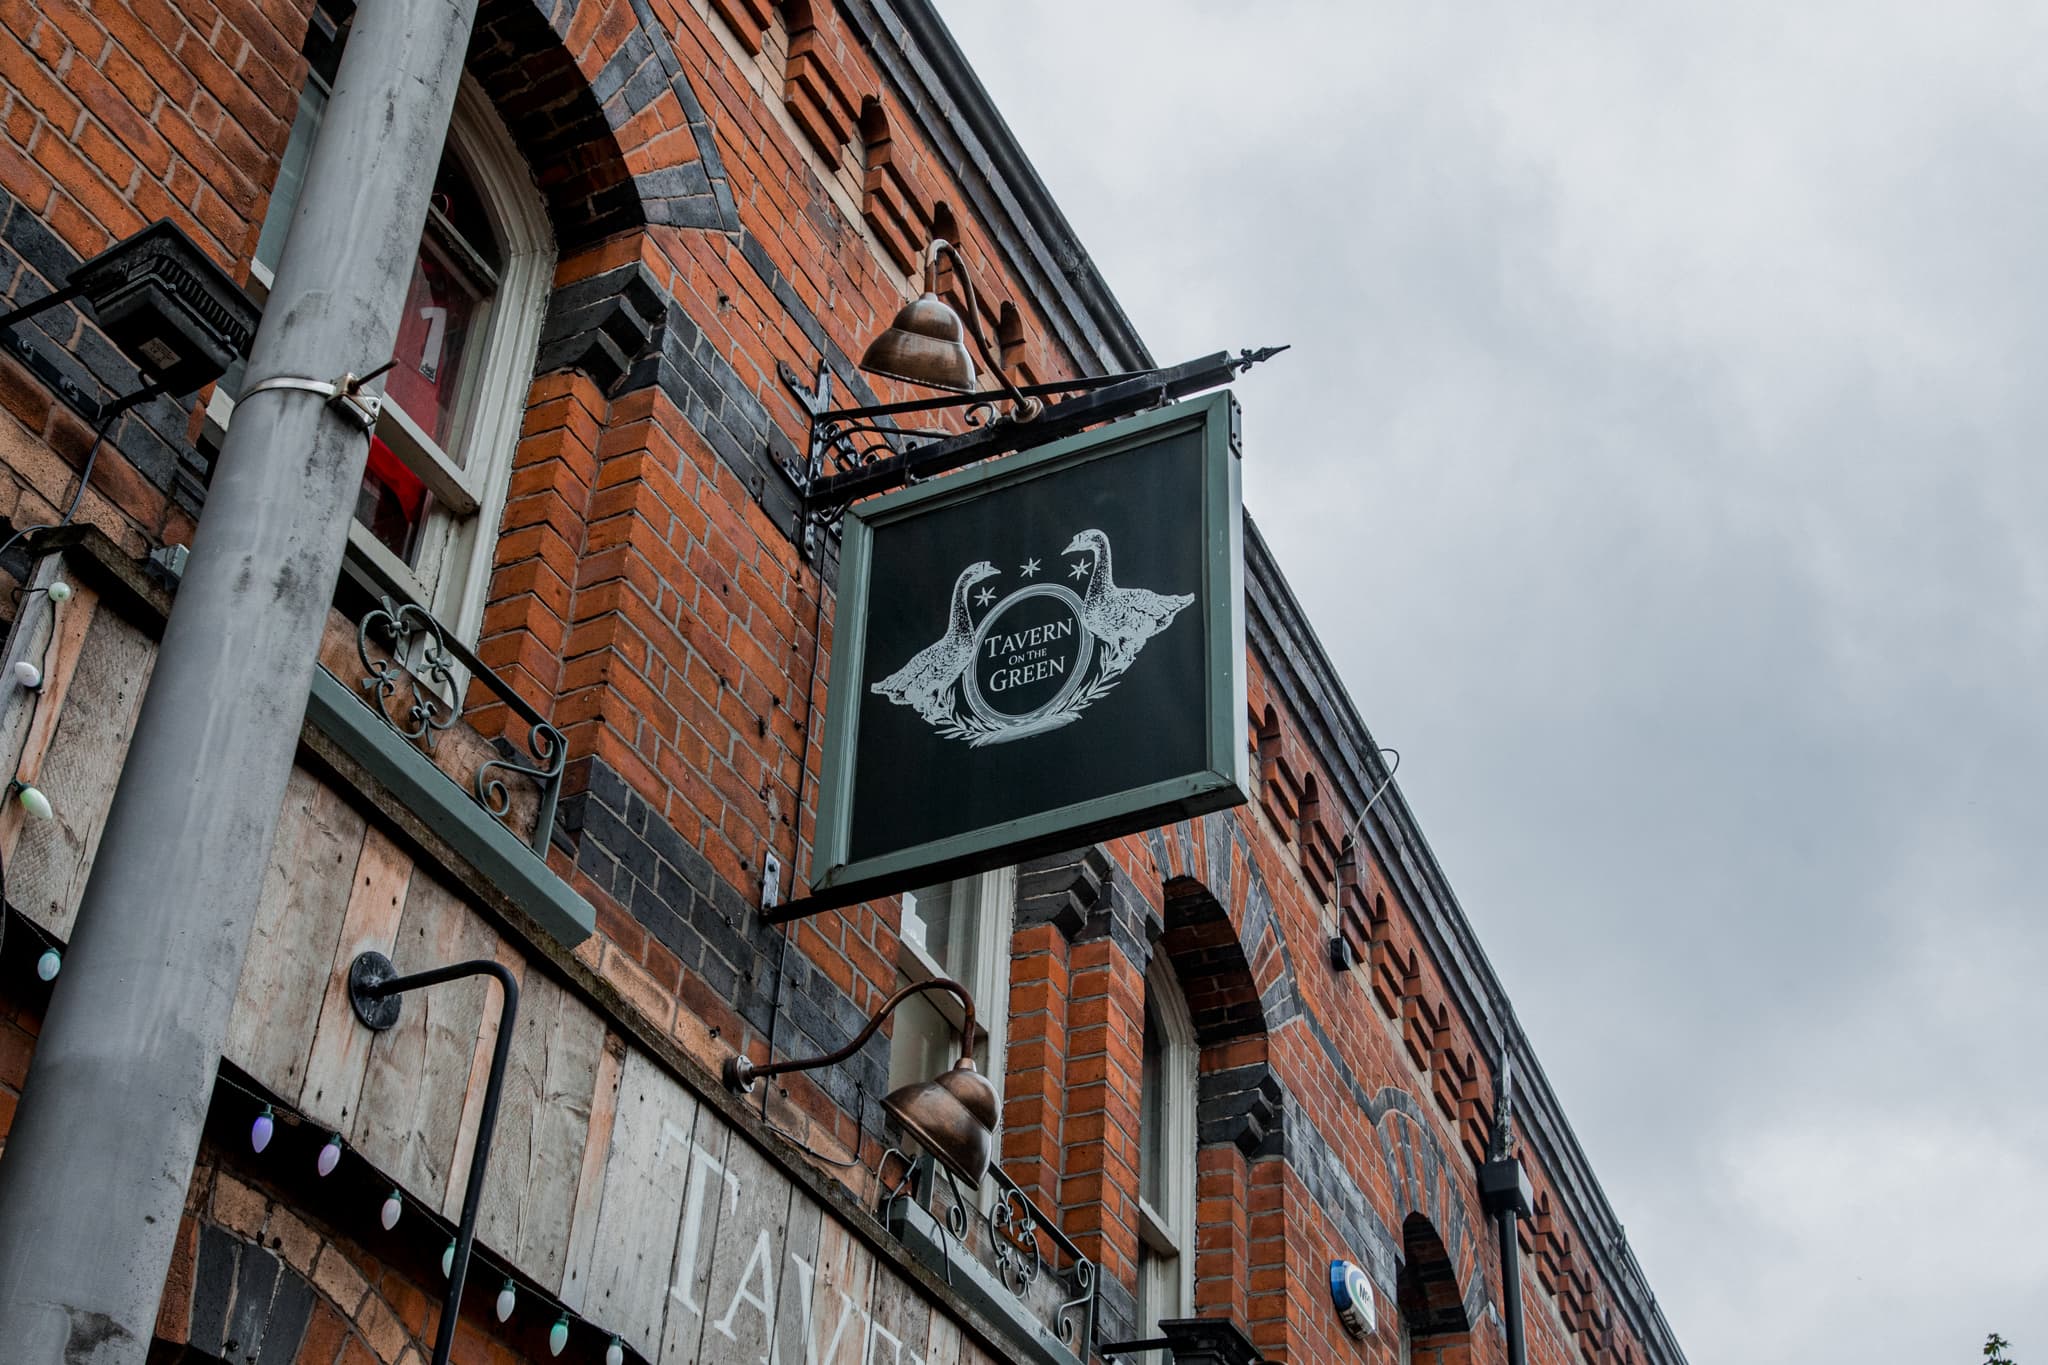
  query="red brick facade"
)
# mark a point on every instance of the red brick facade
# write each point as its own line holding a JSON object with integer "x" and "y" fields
{"x": 765, "y": 175}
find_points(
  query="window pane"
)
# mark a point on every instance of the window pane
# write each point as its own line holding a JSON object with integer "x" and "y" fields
{"x": 920, "y": 1043}
{"x": 291, "y": 176}
{"x": 929, "y": 917}
{"x": 392, "y": 501}
{"x": 1152, "y": 1115}
{"x": 459, "y": 205}
{"x": 441, "y": 310}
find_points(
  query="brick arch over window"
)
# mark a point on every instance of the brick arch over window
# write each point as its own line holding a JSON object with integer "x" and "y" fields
{"x": 1424, "y": 1180}
{"x": 554, "y": 115}
{"x": 565, "y": 109}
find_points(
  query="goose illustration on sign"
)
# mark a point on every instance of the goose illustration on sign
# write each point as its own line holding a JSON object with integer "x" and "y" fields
{"x": 1038, "y": 657}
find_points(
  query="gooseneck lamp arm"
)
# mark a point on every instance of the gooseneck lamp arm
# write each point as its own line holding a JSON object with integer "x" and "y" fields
{"x": 740, "y": 1073}
{"x": 1023, "y": 409}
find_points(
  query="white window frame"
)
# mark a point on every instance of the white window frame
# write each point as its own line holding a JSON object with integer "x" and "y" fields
{"x": 990, "y": 901}
{"x": 452, "y": 576}
{"x": 1166, "y": 1236}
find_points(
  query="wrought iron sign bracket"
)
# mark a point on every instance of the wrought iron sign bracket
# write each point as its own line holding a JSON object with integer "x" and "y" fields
{"x": 837, "y": 471}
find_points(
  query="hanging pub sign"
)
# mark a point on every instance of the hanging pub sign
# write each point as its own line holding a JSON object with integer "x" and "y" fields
{"x": 1037, "y": 653}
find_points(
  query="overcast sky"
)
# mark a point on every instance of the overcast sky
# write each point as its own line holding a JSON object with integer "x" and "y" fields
{"x": 1660, "y": 457}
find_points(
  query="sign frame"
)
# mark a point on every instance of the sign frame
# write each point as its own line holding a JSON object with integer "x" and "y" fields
{"x": 1224, "y": 781}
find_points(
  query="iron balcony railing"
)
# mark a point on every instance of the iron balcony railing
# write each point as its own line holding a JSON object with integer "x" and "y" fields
{"x": 1000, "y": 1252}
{"x": 416, "y": 677}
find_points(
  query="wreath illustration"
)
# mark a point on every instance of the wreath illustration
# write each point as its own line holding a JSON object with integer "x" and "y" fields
{"x": 1110, "y": 625}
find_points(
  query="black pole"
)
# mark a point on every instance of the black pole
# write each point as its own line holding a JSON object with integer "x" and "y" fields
{"x": 1511, "y": 1286}
{"x": 1504, "y": 1192}
{"x": 374, "y": 993}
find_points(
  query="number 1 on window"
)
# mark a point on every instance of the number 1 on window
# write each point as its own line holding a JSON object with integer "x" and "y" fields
{"x": 430, "y": 349}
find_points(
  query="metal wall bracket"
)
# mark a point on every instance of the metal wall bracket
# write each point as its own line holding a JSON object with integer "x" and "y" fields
{"x": 837, "y": 471}
{"x": 367, "y": 976}
{"x": 345, "y": 395}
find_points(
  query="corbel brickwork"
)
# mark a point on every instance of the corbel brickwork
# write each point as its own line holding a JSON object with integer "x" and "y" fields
{"x": 748, "y": 20}
{"x": 1241, "y": 1106}
{"x": 603, "y": 324}
{"x": 825, "y": 82}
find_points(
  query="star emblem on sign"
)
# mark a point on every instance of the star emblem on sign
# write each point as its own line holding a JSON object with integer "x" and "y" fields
{"x": 1080, "y": 571}
{"x": 1028, "y": 569}
{"x": 984, "y": 597}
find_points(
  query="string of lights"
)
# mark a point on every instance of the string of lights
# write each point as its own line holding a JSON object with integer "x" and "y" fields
{"x": 567, "y": 1320}
{"x": 32, "y": 676}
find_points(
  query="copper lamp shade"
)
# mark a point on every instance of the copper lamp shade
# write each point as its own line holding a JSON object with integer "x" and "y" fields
{"x": 926, "y": 345}
{"x": 953, "y": 1116}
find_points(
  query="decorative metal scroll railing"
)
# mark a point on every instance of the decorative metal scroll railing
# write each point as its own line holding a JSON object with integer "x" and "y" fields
{"x": 999, "y": 1251}
{"x": 416, "y": 675}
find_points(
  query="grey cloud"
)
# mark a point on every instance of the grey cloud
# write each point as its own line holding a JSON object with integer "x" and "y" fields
{"x": 1659, "y": 459}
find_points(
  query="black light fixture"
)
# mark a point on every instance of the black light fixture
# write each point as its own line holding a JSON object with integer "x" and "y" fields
{"x": 164, "y": 302}
{"x": 953, "y": 1116}
{"x": 1194, "y": 1341}
{"x": 1504, "y": 1188}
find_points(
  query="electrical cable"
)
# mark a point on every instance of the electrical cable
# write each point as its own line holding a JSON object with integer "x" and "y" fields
{"x": 796, "y": 822}
{"x": 480, "y": 1259}
{"x": 1351, "y": 832}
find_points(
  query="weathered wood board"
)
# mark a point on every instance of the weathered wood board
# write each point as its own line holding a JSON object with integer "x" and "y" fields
{"x": 738, "y": 1294}
{"x": 298, "y": 922}
{"x": 551, "y": 1085}
{"x": 341, "y": 1045}
{"x": 640, "y": 1214}
{"x": 418, "y": 1073}
{"x": 597, "y": 1146}
{"x": 481, "y": 1054}
{"x": 711, "y": 1206}
{"x": 841, "y": 1298}
{"x": 74, "y": 755}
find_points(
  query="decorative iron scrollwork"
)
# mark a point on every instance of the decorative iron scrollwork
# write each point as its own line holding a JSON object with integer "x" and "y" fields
{"x": 414, "y": 674}
{"x": 1013, "y": 1234}
{"x": 1069, "y": 1316}
{"x": 548, "y": 750}
{"x": 1013, "y": 1241}
{"x": 417, "y": 652}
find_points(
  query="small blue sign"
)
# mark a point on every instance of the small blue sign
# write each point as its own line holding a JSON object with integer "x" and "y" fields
{"x": 1351, "y": 1292}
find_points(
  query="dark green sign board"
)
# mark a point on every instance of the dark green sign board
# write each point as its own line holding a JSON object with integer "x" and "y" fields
{"x": 1037, "y": 653}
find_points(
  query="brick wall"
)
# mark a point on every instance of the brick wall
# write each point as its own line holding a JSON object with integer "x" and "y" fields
{"x": 737, "y": 189}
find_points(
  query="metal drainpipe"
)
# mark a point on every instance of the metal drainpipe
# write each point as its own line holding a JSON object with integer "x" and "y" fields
{"x": 1505, "y": 1193}
{"x": 1511, "y": 1286}
{"x": 103, "y": 1147}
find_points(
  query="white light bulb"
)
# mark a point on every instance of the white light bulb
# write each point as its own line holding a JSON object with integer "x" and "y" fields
{"x": 506, "y": 1298}
{"x": 27, "y": 674}
{"x": 60, "y": 591}
{"x": 330, "y": 1155}
{"x": 49, "y": 964}
{"x": 448, "y": 1261}
{"x": 261, "y": 1129}
{"x": 388, "y": 1215}
{"x": 34, "y": 802}
{"x": 614, "y": 1354}
{"x": 558, "y": 1335}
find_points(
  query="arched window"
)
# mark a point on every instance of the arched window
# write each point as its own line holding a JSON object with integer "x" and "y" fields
{"x": 440, "y": 461}
{"x": 1166, "y": 1153}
